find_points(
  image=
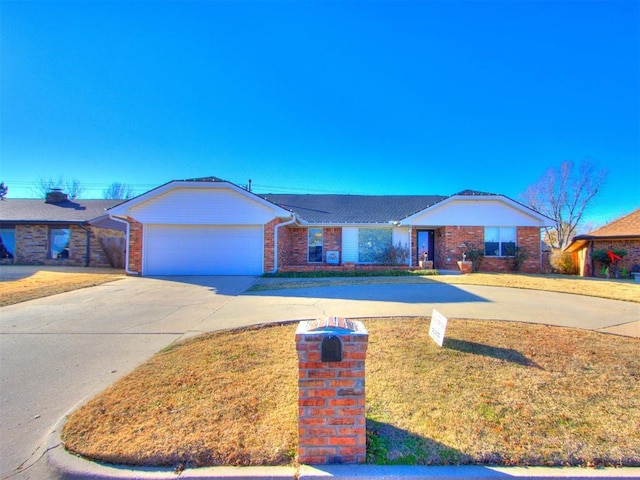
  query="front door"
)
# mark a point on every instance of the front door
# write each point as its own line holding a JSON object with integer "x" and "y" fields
{"x": 425, "y": 245}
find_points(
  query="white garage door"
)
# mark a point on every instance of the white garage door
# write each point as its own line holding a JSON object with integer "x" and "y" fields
{"x": 203, "y": 250}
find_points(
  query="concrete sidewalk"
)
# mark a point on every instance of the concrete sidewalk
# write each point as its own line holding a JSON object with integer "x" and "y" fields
{"x": 69, "y": 467}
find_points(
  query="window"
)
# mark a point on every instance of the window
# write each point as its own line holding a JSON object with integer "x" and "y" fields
{"x": 59, "y": 243}
{"x": 500, "y": 241}
{"x": 372, "y": 242}
{"x": 315, "y": 245}
{"x": 7, "y": 242}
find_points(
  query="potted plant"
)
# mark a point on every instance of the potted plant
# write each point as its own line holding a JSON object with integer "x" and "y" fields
{"x": 425, "y": 262}
{"x": 465, "y": 265}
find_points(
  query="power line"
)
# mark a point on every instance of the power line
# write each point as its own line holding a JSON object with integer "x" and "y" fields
{"x": 143, "y": 187}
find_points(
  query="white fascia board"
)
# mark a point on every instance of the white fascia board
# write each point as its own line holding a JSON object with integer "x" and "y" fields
{"x": 123, "y": 209}
{"x": 389, "y": 224}
{"x": 541, "y": 220}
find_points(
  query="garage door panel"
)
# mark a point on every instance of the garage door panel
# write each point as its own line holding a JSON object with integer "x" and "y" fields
{"x": 203, "y": 250}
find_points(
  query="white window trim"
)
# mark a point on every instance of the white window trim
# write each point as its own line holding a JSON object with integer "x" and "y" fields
{"x": 500, "y": 242}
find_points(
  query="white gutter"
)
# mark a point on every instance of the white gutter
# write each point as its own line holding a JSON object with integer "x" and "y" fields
{"x": 126, "y": 257}
{"x": 275, "y": 241}
{"x": 410, "y": 246}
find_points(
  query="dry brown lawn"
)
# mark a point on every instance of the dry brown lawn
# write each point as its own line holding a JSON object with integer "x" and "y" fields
{"x": 499, "y": 393}
{"x": 43, "y": 283}
{"x": 626, "y": 289}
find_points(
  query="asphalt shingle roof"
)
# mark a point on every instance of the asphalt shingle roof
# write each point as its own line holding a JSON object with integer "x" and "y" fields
{"x": 626, "y": 226}
{"x": 27, "y": 210}
{"x": 310, "y": 208}
{"x": 353, "y": 208}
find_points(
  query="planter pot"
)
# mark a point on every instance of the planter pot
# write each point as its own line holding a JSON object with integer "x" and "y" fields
{"x": 465, "y": 267}
{"x": 426, "y": 264}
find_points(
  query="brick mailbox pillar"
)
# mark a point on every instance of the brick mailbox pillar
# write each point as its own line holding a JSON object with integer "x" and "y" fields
{"x": 331, "y": 408}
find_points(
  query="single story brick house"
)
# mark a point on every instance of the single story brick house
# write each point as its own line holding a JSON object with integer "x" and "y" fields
{"x": 623, "y": 233}
{"x": 59, "y": 231}
{"x": 208, "y": 226}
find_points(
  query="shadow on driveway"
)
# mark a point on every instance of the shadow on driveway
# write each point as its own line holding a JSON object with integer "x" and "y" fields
{"x": 219, "y": 285}
{"x": 410, "y": 292}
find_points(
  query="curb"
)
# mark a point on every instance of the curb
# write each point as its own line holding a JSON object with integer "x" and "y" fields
{"x": 478, "y": 472}
{"x": 65, "y": 466}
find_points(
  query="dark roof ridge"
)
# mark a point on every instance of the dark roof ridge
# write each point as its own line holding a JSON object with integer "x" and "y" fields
{"x": 469, "y": 192}
{"x": 204, "y": 179}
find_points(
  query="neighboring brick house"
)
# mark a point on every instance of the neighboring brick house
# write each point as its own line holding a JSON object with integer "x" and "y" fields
{"x": 623, "y": 233}
{"x": 58, "y": 231}
{"x": 209, "y": 226}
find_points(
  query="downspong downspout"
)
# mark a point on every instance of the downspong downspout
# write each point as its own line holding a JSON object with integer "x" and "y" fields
{"x": 275, "y": 241}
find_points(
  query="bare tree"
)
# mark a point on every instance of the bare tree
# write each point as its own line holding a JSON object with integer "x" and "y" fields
{"x": 563, "y": 194}
{"x": 118, "y": 191}
{"x": 73, "y": 188}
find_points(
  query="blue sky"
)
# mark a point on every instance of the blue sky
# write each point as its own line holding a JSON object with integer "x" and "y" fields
{"x": 369, "y": 97}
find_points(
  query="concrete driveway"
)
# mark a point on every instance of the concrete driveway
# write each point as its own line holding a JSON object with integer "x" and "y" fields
{"x": 418, "y": 299}
{"x": 58, "y": 351}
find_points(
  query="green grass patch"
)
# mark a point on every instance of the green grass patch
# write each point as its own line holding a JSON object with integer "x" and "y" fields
{"x": 352, "y": 273}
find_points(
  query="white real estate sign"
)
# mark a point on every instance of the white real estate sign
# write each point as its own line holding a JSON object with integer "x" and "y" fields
{"x": 438, "y": 327}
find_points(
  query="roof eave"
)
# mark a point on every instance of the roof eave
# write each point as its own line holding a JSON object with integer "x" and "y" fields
{"x": 46, "y": 222}
{"x": 308, "y": 223}
{"x": 607, "y": 237}
{"x": 120, "y": 210}
{"x": 581, "y": 240}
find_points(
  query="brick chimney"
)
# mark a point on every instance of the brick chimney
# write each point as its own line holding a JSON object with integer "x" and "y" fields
{"x": 56, "y": 195}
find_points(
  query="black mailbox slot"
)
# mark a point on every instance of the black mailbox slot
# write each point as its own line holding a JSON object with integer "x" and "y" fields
{"x": 331, "y": 349}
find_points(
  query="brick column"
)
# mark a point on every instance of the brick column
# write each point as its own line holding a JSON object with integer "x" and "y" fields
{"x": 331, "y": 394}
{"x": 135, "y": 246}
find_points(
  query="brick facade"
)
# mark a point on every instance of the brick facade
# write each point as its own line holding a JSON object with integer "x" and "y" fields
{"x": 332, "y": 240}
{"x": 104, "y": 239}
{"x": 449, "y": 244}
{"x": 631, "y": 259}
{"x": 269, "y": 250}
{"x": 452, "y": 242}
{"x": 32, "y": 246}
{"x": 285, "y": 240}
{"x": 293, "y": 248}
{"x": 135, "y": 246}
